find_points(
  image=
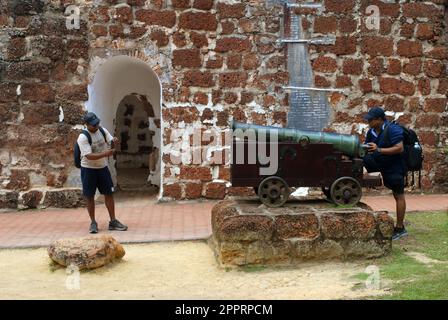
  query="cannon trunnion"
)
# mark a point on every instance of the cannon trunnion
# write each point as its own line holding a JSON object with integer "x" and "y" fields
{"x": 302, "y": 163}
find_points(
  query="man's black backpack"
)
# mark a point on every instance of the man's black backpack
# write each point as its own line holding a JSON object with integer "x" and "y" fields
{"x": 77, "y": 151}
{"x": 413, "y": 151}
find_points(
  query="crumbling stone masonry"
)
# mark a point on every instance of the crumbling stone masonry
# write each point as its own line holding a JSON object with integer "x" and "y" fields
{"x": 248, "y": 234}
{"x": 203, "y": 63}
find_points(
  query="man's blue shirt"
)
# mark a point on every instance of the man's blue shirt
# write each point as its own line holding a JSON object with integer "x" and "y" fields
{"x": 388, "y": 163}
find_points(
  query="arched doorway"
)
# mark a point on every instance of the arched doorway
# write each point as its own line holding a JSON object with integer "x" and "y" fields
{"x": 126, "y": 95}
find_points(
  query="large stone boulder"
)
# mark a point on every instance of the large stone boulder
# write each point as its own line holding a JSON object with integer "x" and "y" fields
{"x": 246, "y": 232}
{"x": 86, "y": 253}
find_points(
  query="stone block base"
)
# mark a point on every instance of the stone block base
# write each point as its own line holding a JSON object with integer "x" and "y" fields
{"x": 245, "y": 233}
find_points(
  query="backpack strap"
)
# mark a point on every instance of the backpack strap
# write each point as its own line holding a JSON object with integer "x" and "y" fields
{"x": 87, "y": 134}
{"x": 103, "y": 133}
{"x": 386, "y": 133}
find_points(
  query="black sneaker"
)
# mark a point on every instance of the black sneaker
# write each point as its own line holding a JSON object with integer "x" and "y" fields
{"x": 93, "y": 227}
{"x": 399, "y": 233}
{"x": 117, "y": 225}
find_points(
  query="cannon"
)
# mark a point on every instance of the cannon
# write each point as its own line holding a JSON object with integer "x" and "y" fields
{"x": 330, "y": 161}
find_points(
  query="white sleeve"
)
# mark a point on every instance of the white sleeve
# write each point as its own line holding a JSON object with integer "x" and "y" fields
{"x": 84, "y": 145}
{"x": 109, "y": 137}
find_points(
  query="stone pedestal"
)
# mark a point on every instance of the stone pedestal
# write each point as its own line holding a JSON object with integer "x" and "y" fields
{"x": 247, "y": 233}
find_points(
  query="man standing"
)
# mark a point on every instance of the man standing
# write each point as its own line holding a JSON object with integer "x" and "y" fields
{"x": 94, "y": 170}
{"x": 385, "y": 141}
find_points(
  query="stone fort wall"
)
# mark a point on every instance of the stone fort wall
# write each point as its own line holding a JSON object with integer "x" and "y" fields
{"x": 217, "y": 61}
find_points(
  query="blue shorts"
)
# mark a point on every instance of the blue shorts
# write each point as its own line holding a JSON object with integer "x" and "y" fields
{"x": 96, "y": 178}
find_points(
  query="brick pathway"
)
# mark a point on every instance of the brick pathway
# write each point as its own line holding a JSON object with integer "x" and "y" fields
{"x": 148, "y": 221}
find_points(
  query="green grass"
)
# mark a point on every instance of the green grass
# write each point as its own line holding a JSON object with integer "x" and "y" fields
{"x": 411, "y": 279}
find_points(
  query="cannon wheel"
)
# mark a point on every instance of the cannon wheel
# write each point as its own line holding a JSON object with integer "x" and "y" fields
{"x": 273, "y": 192}
{"x": 346, "y": 191}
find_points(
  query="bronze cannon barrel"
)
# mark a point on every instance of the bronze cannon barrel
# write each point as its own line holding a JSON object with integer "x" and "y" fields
{"x": 347, "y": 144}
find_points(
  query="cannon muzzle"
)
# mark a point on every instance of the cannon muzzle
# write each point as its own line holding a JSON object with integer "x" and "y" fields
{"x": 347, "y": 144}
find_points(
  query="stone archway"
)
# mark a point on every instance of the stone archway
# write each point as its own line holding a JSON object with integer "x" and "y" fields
{"x": 117, "y": 79}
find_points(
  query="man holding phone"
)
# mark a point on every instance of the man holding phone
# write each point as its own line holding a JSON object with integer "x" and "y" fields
{"x": 386, "y": 156}
{"x": 94, "y": 146}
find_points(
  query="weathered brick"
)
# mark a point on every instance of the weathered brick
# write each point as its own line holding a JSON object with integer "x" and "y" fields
{"x": 377, "y": 46}
{"x": 304, "y": 225}
{"x": 198, "y": 79}
{"x": 442, "y": 87}
{"x": 414, "y": 66}
{"x": 435, "y": 105}
{"x": 231, "y": 10}
{"x": 74, "y": 92}
{"x": 407, "y": 30}
{"x": 410, "y": 49}
{"x": 99, "y": 30}
{"x": 366, "y": 85}
{"x": 195, "y": 173}
{"x": 348, "y": 24}
{"x": 27, "y": 70}
{"x": 116, "y": 31}
{"x": 173, "y": 191}
{"x": 165, "y": 18}
{"x": 434, "y": 68}
{"x": 181, "y": 4}
{"x": 227, "y": 27}
{"x": 353, "y": 66}
{"x": 187, "y": 58}
{"x": 160, "y": 38}
{"x": 424, "y": 86}
{"x": 199, "y": 40}
{"x": 78, "y": 49}
{"x": 325, "y": 25}
{"x": 247, "y": 97}
{"x": 16, "y": 48}
{"x": 178, "y": 114}
{"x": 233, "y": 44}
{"x": 392, "y": 85}
{"x": 376, "y": 66}
{"x": 423, "y": 10}
{"x": 193, "y": 190}
{"x": 425, "y": 31}
{"x": 200, "y": 98}
{"x": 394, "y": 103}
{"x": 203, "y": 4}
{"x": 37, "y": 92}
{"x": 233, "y": 79}
{"x": 339, "y": 6}
{"x": 325, "y": 64}
{"x": 124, "y": 15}
{"x": 321, "y": 81}
{"x": 343, "y": 82}
{"x": 427, "y": 121}
{"x": 234, "y": 61}
{"x": 215, "y": 190}
{"x": 198, "y": 21}
{"x": 394, "y": 67}
{"x": 439, "y": 53}
{"x": 40, "y": 114}
{"x": 251, "y": 61}
{"x": 230, "y": 97}
{"x": 428, "y": 138}
{"x": 179, "y": 39}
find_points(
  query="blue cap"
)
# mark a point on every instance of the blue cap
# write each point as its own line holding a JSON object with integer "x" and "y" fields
{"x": 375, "y": 113}
{"x": 91, "y": 118}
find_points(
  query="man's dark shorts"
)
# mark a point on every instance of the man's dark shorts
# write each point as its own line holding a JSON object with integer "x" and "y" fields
{"x": 394, "y": 182}
{"x": 96, "y": 178}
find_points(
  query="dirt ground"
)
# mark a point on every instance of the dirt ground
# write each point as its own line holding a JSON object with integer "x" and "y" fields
{"x": 175, "y": 270}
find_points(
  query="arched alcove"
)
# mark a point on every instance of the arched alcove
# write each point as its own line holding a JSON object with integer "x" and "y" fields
{"x": 121, "y": 78}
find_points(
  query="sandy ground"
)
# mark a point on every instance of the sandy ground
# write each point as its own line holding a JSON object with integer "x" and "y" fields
{"x": 174, "y": 270}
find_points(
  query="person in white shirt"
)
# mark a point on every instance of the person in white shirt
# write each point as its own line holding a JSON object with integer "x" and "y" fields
{"x": 95, "y": 173}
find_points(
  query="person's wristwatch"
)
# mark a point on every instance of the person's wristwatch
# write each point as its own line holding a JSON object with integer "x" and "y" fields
{"x": 378, "y": 150}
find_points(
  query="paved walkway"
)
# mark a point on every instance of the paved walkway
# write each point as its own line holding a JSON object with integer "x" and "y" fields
{"x": 148, "y": 221}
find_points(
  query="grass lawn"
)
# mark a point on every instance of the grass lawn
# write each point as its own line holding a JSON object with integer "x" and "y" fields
{"x": 417, "y": 268}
